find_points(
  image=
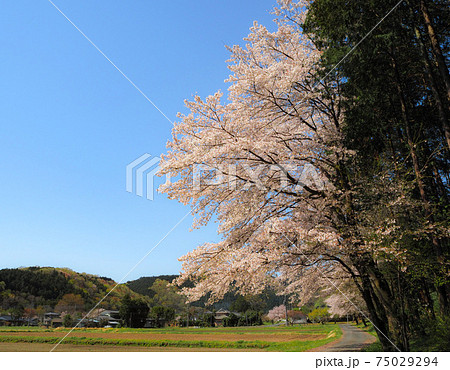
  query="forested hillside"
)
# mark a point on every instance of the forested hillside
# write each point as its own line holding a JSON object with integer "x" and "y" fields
{"x": 261, "y": 302}
{"x": 143, "y": 284}
{"x": 45, "y": 286}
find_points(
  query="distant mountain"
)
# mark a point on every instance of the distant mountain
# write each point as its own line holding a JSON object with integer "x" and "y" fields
{"x": 263, "y": 302}
{"x": 31, "y": 287}
{"x": 143, "y": 284}
{"x": 45, "y": 286}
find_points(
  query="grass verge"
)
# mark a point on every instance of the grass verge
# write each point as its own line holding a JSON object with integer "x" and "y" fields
{"x": 301, "y": 346}
{"x": 372, "y": 347}
{"x": 436, "y": 339}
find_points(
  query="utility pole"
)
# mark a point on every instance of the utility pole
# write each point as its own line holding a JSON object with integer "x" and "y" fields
{"x": 187, "y": 317}
{"x": 286, "y": 310}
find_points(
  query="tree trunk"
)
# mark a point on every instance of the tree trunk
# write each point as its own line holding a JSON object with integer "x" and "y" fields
{"x": 442, "y": 291}
{"x": 435, "y": 46}
{"x": 377, "y": 314}
{"x": 432, "y": 80}
{"x": 392, "y": 304}
{"x": 375, "y": 291}
{"x": 437, "y": 97}
{"x": 286, "y": 311}
{"x": 426, "y": 298}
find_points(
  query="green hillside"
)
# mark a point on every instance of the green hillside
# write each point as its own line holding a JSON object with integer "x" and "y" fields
{"x": 45, "y": 286}
{"x": 32, "y": 287}
{"x": 260, "y": 302}
{"x": 143, "y": 284}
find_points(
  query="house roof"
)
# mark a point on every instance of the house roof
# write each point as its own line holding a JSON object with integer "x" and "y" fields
{"x": 223, "y": 311}
{"x": 52, "y": 314}
{"x": 294, "y": 314}
{"x": 109, "y": 312}
{"x": 220, "y": 317}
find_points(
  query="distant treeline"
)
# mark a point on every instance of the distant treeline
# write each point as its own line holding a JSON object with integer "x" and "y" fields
{"x": 49, "y": 286}
{"x": 45, "y": 286}
{"x": 143, "y": 284}
{"x": 261, "y": 302}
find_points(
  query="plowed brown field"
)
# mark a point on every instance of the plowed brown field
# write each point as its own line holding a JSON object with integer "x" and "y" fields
{"x": 231, "y": 337}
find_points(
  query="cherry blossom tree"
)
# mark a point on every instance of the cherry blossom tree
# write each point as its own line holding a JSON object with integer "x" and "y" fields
{"x": 245, "y": 161}
{"x": 270, "y": 162}
{"x": 346, "y": 301}
{"x": 277, "y": 313}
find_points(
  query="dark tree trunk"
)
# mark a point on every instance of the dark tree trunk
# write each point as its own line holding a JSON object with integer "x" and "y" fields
{"x": 442, "y": 291}
{"x": 435, "y": 46}
{"x": 379, "y": 314}
{"x": 443, "y": 116}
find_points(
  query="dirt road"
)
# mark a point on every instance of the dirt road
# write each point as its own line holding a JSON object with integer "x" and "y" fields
{"x": 353, "y": 339}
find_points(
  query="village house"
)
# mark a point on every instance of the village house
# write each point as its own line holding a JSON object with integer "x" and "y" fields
{"x": 297, "y": 317}
{"x": 8, "y": 320}
{"x": 110, "y": 318}
{"x": 52, "y": 319}
{"x": 220, "y": 315}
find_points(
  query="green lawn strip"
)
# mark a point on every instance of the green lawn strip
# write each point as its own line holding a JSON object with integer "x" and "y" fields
{"x": 301, "y": 346}
{"x": 372, "y": 347}
{"x": 421, "y": 344}
{"x": 142, "y": 343}
{"x": 429, "y": 344}
{"x": 368, "y": 329}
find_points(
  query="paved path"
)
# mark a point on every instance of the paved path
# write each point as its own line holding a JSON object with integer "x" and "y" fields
{"x": 353, "y": 339}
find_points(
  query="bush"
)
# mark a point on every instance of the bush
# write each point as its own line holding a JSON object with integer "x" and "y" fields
{"x": 319, "y": 314}
{"x": 435, "y": 338}
{"x": 68, "y": 321}
{"x": 133, "y": 312}
{"x": 162, "y": 315}
{"x": 231, "y": 320}
{"x": 250, "y": 318}
{"x": 207, "y": 320}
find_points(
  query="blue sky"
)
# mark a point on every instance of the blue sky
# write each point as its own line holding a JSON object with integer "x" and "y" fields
{"x": 70, "y": 123}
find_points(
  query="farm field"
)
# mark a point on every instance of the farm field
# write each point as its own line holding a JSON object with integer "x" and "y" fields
{"x": 261, "y": 338}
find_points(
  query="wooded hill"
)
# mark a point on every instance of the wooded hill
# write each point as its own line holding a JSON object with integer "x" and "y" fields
{"x": 45, "y": 286}
{"x": 31, "y": 287}
{"x": 260, "y": 302}
{"x": 143, "y": 284}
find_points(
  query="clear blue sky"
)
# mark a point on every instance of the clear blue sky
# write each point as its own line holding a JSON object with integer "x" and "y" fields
{"x": 70, "y": 123}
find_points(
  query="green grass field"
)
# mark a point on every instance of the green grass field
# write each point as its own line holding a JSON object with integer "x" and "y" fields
{"x": 428, "y": 343}
{"x": 260, "y": 338}
{"x": 375, "y": 346}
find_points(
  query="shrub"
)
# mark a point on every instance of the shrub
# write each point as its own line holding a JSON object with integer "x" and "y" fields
{"x": 68, "y": 321}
